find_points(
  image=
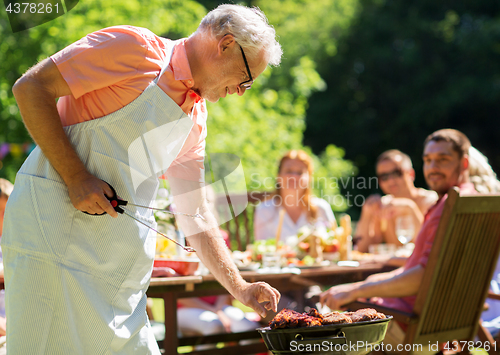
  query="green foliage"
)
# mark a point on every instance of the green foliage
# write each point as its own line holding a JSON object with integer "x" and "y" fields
{"x": 270, "y": 120}
{"x": 405, "y": 69}
{"x": 259, "y": 128}
{"x": 332, "y": 174}
{"x": 19, "y": 51}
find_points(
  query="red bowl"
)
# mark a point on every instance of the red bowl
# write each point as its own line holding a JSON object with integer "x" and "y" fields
{"x": 182, "y": 267}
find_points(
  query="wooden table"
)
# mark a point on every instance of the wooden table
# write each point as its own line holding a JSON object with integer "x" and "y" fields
{"x": 172, "y": 288}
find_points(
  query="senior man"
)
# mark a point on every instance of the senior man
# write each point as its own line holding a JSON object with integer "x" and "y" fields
{"x": 445, "y": 165}
{"x": 132, "y": 107}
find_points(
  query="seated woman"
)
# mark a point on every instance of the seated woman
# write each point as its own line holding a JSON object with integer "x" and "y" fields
{"x": 293, "y": 195}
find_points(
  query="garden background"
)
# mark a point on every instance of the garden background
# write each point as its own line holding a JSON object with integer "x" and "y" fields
{"x": 357, "y": 77}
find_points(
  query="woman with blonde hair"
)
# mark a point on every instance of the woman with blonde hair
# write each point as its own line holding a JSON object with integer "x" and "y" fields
{"x": 293, "y": 195}
{"x": 481, "y": 173}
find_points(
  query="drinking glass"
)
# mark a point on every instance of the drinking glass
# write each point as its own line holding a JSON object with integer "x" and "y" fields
{"x": 271, "y": 262}
{"x": 405, "y": 229}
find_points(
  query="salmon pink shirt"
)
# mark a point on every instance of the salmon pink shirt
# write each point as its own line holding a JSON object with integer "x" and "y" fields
{"x": 110, "y": 68}
{"x": 422, "y": 250}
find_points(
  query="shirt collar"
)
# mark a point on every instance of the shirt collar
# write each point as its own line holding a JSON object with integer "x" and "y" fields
{"x": 181, "y": 68}
{"x": 180, "y": 63}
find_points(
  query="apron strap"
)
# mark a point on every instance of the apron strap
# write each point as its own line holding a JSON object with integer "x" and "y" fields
{"x": 167, "y": 60}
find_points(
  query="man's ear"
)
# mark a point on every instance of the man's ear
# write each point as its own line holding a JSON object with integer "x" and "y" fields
{"x": 411, "y": 172}
{"x": 226, "y": 42}
{"x": 465, "y": 162}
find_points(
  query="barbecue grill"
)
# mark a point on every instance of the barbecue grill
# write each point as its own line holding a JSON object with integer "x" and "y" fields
{"x": 339, "y": 339}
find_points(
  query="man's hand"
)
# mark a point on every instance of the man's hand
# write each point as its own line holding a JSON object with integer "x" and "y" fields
{"x": 401, "y": 206}
{"x": 338, "y": 296}
{"x": 88, "y": 194}
{"x": 253, "y": 294}
{"x": 372, "y": 204}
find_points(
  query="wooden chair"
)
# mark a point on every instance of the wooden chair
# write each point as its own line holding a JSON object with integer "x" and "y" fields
{"x": 457, "y": 277}
{"x": 236, "y": 211}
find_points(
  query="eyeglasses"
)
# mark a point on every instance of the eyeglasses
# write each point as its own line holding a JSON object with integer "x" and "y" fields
{"x": 247, "y": 84}
{"x": 390, "y": 175}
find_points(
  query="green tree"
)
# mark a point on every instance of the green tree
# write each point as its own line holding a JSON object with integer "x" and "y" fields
{"x": 259, "y": 128}
{"x": 404, "y": 70}
{"x": 19, "y": 51}
{"x": 271, "y": 119}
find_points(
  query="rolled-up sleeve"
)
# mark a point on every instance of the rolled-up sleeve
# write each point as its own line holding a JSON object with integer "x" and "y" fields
{"x": 99, "y": 60}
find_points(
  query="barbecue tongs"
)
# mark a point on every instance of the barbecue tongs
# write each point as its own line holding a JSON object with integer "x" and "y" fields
{"x": 116, "y": 203}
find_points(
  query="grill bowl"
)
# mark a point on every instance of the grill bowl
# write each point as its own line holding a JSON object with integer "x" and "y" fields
{"x": 343, "y": 339}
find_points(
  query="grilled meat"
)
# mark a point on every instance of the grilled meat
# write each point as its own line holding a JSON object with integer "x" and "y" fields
{"x": 288, "y": 318}
{"x": 365, "y": 314}
{"x": 313, "y": 312}
{"x": 336, "y": 318}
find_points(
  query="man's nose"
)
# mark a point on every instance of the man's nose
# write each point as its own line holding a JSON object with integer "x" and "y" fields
{"x": 240, "y": 90}
{"x": 432, "y": 165}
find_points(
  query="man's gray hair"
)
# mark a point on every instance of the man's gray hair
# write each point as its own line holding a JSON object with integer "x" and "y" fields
{"x": 249, "y": 26}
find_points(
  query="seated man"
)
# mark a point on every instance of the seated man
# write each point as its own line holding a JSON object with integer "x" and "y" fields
{"x": 378, "y": 215}
{"x": 445, "y": 165}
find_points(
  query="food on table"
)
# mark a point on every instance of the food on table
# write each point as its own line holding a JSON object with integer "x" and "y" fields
{"x": 311, "y": 246}
{"x": 288, "y": 318}
{"x": 182, "y": 266}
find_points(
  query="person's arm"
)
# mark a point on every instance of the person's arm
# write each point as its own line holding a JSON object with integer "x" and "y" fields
{"x": 3, "y": 328}
{"x": 204, "y": 237}
{"x": 36, "y": 93}
{"x": 195, "y": 302}
{"x": 223, "y": 301}
{"x": 384, "y": 275}
{"x": 365, "y": 234}
{"x": 401, "y": 284}
{"x": 427, "y": 200}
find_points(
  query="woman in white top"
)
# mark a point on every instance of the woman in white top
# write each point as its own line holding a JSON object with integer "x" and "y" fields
{"x": 293, "y": 194}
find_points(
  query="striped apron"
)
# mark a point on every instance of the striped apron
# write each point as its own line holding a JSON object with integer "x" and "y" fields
{"x": 76, "y": 283}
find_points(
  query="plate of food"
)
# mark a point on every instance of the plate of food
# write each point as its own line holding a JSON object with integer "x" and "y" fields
{"x": 253, "y": 266}
{"x": 184, "y": 267}
{"x": 315, "y": 265}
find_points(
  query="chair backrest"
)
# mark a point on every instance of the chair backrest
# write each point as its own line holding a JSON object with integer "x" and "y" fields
{"x": 459, "y": 269}
{"x": 236, "y": 212}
